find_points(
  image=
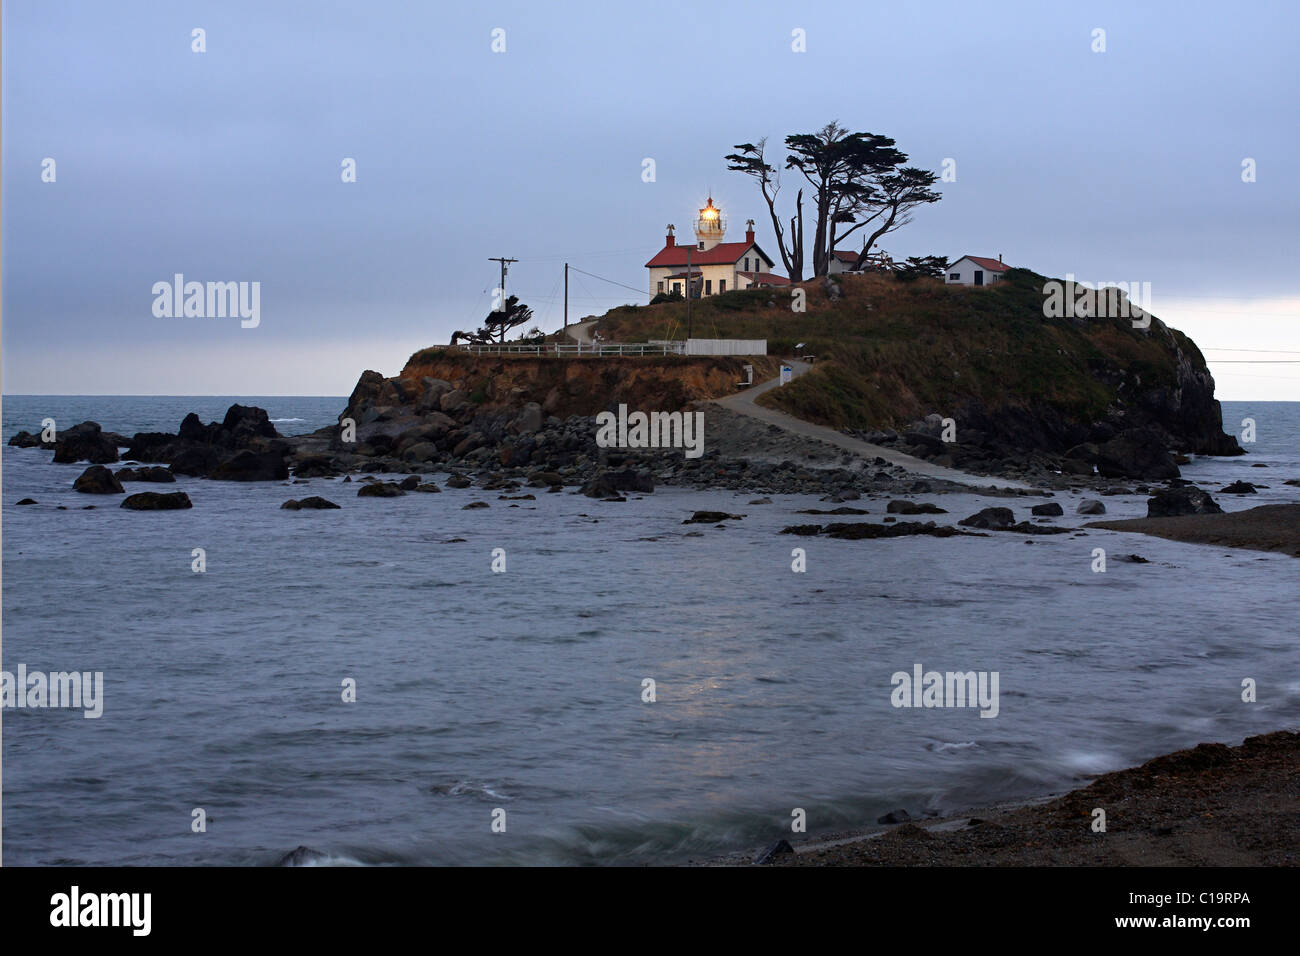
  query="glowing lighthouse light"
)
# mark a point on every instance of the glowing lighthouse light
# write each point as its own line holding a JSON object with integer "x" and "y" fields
{"x": 711, "y": 225}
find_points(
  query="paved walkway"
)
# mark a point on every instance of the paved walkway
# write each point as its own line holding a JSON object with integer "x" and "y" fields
{"x": 743, "y": 402}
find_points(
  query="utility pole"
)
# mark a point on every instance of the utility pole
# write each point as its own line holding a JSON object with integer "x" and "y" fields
{"x": 688, "y": 292}
{"x": 504, "y": 265}
{"x": 566, "y": 295}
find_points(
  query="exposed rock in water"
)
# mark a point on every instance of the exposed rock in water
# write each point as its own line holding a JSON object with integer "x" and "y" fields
{"x": 833, "y": 511}
{"x": 1050, "y": 510}
{"x": 84, "y": 442}
{"x": 1238, "y": 488}
{"x": 380, "y": 489}
{"x": 1189, "y": 500}
{"x": 98, "y": 480}
{"x": 711, "y": 517}
{"x": 314, "y": 502}
{"x": 900, "y": 506}
{"x": 458, "y": 481}
{"x": 429, "y": 487}
{"x": 149, "y": 473}
{"x": 252, "y": 466}
{"x": 158, "y": 501}
{"x": 1091, "y": 506}
{"x": 990, "y": 518}
{"x": 475, "y": 504}
{"x": 1136, "y": 453}
{"x": 28, "y": 501}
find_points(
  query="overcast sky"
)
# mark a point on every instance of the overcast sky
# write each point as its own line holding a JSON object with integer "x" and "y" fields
{"x": 1123, "y": 165}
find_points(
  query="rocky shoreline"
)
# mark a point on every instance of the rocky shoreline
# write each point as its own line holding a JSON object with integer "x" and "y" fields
{"x": 443, "y": 432}
{"x": 1211, "y": 805}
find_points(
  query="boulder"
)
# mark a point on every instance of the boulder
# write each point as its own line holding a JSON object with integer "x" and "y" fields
{"x": 84, "y": 442}
{"x": 1091, "y": 506}
{"x": 1051, "y": 510}
{"x": 146, "y": 473}
{"x": 98, "y": 480}
{"x": 458, "y": 481}
{"x": 315, "y": 466}
{"x": 252, "y": 466}
{"x": 157, "y": 501}
{"x": 529, "y": 420}
{"x": 28, "y": 440}
{"x": 900, "y": 506}
{"x": 711, "y": 517}
{"x": 1188, "y": 500}
{"x": 990, "y": 518}
{"x": 380, "y": 489}
{"x": 315, "y": 502}
{"x": 199, "y": 460}
{"x": 27, "y": 501}
{"x": 1238, "y": 488}
{"x": 453, "y": 400}
{"x": 409, "y": 483}
{"x": 429, "y": 487}
{"x": 1136, "y": 453}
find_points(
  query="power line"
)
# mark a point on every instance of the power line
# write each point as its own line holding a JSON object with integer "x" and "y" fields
{"x": 610, "y": 281}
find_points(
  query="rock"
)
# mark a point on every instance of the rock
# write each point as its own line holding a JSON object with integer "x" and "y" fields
{"x": 84, "y": 442}
{"x": 199, "y": 460}
{"x": 1024, "y": 527}
{"x": 98, "y": 480}
{"x": 453, "y": 400}
{"x": 314, "y": 502}
{"x": 421, "y": 451}
{"x": 1136, "y": 453}
{"x": 380, "y": 489}
{"x": 529, "y": 421}
{"x": 544, "y": 479}
{"x": 711, "y": 517}
{"x": 251, "y": 466}
{"x": 990, "y": 518}
{"x": 856, "y": 531}
{"x": 157, "y": 501}
{"x": 778, "y": 849}
{"x": 28, "y": 440}
{"x": 409, "y": 483}
{"x": 1091, "y": 506}
{"x": 315, "y": 466}
{"x": 900, "y": 506}
{"x": 28, "y": 501}
{"x": 1051, "y": 510}
{"x": 458, "y": 481}
{"x": 803, "y": 529}
{"x": 1238, "y": 488}
{"x": 475, "y": 504}
{"x": 1135, "y": 559}
{"x": 895, "y": 816}
{"x": 761, "y": 501}
{"x": 147, "y": 473}
{"x": 1182, "y": 501}
{"x": 429, "y": 487}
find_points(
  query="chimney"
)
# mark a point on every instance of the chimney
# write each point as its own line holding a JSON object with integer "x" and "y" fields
{"x": 749, "y": 230}
{"x": 671, "y": 241}
{"x": 999, "y": 258}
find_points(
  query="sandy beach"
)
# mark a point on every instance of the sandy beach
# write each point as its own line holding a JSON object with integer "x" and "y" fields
{"x": 1266, "y": 528}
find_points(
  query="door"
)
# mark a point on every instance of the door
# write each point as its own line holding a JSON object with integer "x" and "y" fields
{"x": 979, "y": 277}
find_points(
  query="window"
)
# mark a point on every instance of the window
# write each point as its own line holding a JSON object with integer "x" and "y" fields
{"x": 661, "y": 287}
{"x": 722, "y": 286}
{"x": 708, "y": 287}
{"x": 746, "y": 263}
{"x": 954, "y": 276}
{"x": 701, "y": 243}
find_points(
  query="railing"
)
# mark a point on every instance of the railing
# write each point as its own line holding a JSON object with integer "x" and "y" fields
{"x": 577, "y": 348}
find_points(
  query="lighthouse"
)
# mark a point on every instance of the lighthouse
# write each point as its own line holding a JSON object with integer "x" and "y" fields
{"x": 710, "y": 226}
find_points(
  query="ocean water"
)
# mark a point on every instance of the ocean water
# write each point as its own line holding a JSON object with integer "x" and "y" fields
{"x": 522, "y": 691}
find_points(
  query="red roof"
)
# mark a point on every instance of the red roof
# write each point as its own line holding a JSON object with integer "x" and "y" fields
{"x": 768, "y": 278}
{"x": 845, "y": 255}
{"x": 991, "y": 264}
{"x": 723, "y": 254}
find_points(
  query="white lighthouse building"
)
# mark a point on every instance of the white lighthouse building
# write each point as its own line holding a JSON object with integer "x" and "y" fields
{"x": 715, "y": 266}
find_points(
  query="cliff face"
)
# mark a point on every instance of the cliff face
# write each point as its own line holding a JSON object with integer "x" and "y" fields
{"x": 561, "y": 387}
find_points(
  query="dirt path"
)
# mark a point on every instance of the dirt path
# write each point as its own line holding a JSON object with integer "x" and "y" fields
{"x": 743, "y": 403}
